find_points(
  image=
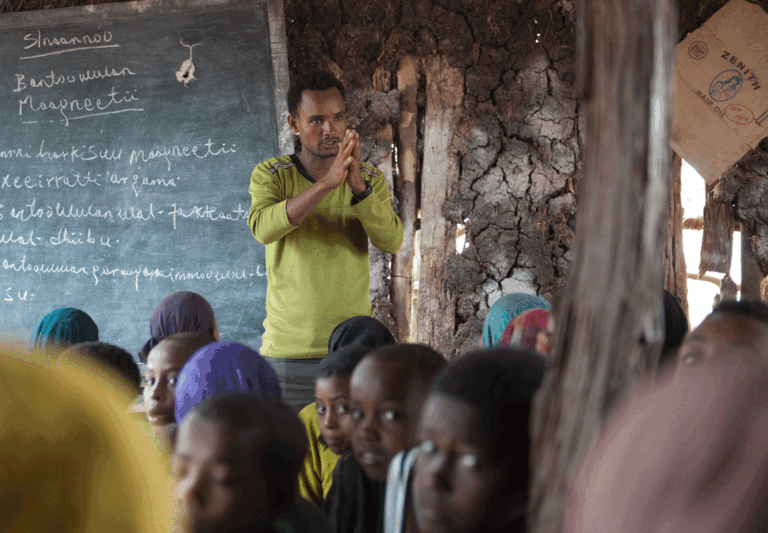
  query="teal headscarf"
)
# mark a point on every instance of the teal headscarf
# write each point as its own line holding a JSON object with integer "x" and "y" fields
{"x": 504, "y": 310}
{"x": 62, "y": 328}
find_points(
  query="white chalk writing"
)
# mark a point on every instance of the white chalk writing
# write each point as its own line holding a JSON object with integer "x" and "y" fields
{"x": 68, "y": 108}
{"x": 141, "y": 156}
{"x": 207, "y": 212}
{"x": 53, "y": 79}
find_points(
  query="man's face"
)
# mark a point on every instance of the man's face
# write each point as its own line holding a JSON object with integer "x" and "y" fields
{"x": 725, "y": 333}
{"x": 218, "y": 485}
{"x": 320, "y": 122}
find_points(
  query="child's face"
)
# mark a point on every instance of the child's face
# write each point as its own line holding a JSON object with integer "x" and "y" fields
{"x": 219, "y": 486}
{"x": 453, "y": 479}
{"x": 385, "y": 400}
{"x": 164, "y": 363}
{"x": 333, "y": 415}
{"x": 725, "y": 334}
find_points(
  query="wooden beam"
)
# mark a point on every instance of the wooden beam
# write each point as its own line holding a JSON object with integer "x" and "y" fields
{"x": 407, "y": 197}
{"x": 717, "y": 242}
{"x": 751, "y": 278}
{"x": 435, "y": 315}
{"x": 609, "y": 326}
{"x": 675, "y": 279}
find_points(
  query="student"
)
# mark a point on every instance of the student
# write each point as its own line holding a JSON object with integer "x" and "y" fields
{"x": 470, "y": 471}
{"x": 179, "y": 312}
{"x": 328, "y": 417}
{"x": 60, "y": 329}
{"x": 235, "y": 466}
{"x": 362, "y": 330}
{"x": 387, "y": 390}
{"x": 689, "y": 455}
{"x": 732, "y": 328}
{"x": 328, "y": 421}
{"x": 164, "y": 364}
{"x": 675, "y": 329}
{"x": 112, "y": 357}
{"x": 223, "y": 367}
{"x": 72, "y": 460}
{"x": 503, "y": 311}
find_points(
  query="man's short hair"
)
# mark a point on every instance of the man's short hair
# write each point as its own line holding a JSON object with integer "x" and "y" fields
{"x": 754, "y": 309}
{"x": 312, "y": 81}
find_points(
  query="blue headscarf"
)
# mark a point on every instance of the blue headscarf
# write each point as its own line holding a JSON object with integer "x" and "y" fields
{"x": 504, "y": 310}
{"x": 60, "y": 329}
{"x": 223, "y": 367}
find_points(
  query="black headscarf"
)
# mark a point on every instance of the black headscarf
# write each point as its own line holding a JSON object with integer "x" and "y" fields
{"x": 362, "y": 330}
{"x": 675, "y": 328}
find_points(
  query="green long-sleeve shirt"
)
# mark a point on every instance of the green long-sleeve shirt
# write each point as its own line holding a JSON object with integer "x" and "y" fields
{"x": 317, "y": 272}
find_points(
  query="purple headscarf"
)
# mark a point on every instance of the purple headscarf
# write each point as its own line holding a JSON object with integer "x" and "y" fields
{"x": 223, "y": 367}
{"x": 178, "y": 312}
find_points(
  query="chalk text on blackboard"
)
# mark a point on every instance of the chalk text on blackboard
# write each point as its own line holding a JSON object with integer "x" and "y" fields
{"x": 139, "y": 155}
{"x": 82, "y": 153}
{"x": 54, "y": 79}
{"x": 67, "y": 107}
{"x": 89, "y": 41}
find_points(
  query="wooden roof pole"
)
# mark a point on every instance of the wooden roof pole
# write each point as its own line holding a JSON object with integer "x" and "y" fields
{"x": 609, "y": 324}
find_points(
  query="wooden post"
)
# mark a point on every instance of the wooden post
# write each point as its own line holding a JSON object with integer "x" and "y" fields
{"x": 676, "y": 277}
{"x": 435, "y": 313}
{"x": 717, "y": 241}
{"x": 751, "y": 277}
{"x": 405, "y": 192}
{"x": 609, "y": 322}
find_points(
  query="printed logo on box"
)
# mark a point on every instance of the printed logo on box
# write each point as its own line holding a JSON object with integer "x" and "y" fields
{"x": 739, "y": 114}
{"x": 698, "y": 50}
{"x": 726, "y": 85}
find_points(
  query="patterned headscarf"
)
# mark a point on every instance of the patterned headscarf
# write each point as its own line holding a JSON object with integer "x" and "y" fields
{"x": 504, "y": 310}
{"x": 223, "y": 367}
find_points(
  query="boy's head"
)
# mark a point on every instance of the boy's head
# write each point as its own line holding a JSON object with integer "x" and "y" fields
{"x": 387, "y": 390}
{"x": 733, "y": 328}
{"x": 332, "y": 396}
{"x": 471, "y": 473}
{"x": 164, "y": 363}
{"x": 236, "y": 462}
{"x": 113, "y": 357}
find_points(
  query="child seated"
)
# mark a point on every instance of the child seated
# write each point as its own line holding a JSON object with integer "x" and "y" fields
{"x": 111, "y": 357}
{"x": 164, "y": 364}
{"x": 470, "y": 471}
{"x": 732, "y": 328}
{"x": 235, "y": 465}
{"x": 387, "y": 390}
{"x": 60, "y": 329}
{"x": 328, "y": 421}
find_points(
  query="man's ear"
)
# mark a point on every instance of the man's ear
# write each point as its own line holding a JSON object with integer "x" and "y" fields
{"x": 293, "y": 123}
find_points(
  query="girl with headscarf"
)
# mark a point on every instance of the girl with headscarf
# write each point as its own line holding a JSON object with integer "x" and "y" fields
{"x": 179, "y": 312}
{"x": 526, "y": 330}
{"x": 504, "y": 311}
{"x": 62, "y": 328}
{"x": 223, "y": 367}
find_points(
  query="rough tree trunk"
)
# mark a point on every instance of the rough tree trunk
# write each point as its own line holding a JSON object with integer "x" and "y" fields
{"x": 676, "y": 277}
{"x": 609, "y": 329}
{"x": 405, "y": 192}
{"x": 435, "y": 316}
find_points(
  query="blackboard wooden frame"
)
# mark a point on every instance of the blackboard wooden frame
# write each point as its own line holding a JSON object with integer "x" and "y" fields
{"x": 237, "y": 321}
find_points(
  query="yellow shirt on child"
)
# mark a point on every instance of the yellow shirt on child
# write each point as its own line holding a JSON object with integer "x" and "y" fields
{"x": 317, "y": 474}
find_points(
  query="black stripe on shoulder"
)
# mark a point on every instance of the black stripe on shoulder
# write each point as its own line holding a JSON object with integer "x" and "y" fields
{"x": 369, "y": 172}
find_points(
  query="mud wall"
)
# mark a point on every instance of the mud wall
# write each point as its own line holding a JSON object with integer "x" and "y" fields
{"x": 518, "y": 140}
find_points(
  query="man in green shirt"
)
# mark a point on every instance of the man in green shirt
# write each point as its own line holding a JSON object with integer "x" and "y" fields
{"x": 314, "y": 211}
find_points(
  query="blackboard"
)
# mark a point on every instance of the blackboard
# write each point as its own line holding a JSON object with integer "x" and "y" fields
{"x": 129, "y": 132}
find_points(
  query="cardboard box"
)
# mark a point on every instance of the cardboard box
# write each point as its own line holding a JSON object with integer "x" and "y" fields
{"x": 721, "y": 95}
